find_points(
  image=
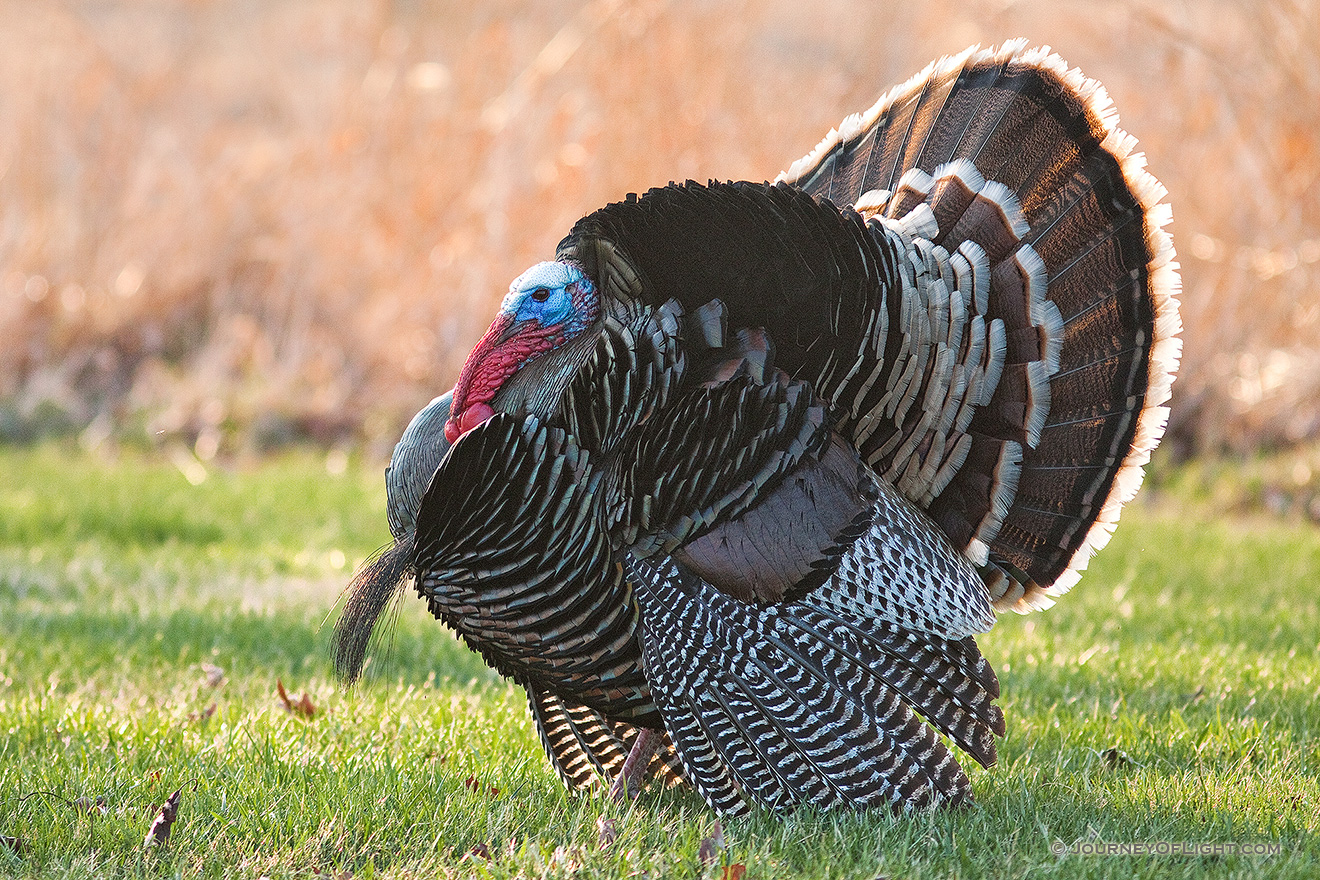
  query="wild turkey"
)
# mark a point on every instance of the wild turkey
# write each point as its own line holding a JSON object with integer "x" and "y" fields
{"x": 745, "y": 470}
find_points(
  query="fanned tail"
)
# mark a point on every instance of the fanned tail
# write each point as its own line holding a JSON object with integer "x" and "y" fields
{"x": 1013, "y": 165}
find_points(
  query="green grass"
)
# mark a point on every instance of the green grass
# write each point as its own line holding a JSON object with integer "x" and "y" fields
{"x": 1172, "y": 696}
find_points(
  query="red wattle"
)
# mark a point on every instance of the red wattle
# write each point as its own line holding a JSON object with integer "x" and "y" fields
{"x": 474, "y": 415}
{"x": 452, "y": 432}
{"x": 467, "y": 420}
{"x": 488, "y": 367}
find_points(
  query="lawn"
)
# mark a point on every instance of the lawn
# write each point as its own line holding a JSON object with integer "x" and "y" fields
{"x": 146, "y": 625}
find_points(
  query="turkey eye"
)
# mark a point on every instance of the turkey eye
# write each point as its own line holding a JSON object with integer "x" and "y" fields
{"x": 540, "y": 295}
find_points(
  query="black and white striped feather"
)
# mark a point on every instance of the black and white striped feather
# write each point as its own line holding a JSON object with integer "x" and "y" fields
{"x": 583, "y": 745}
{"x": 784, "y": 705}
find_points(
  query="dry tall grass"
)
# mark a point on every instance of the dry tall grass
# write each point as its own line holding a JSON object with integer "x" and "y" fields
{"x": 235, "y": 223}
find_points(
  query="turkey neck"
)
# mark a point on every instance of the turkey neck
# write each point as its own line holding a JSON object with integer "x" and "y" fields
{"x": 536, "y": 388}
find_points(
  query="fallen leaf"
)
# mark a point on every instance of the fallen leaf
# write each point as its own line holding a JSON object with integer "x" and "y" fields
{"x": 159, "y": 833}
{"x": 606, "y": 832}
{"x": 711, "y": 846}
{"x": 473, "y": 784}
{"x": 90, "y": 805}
{"x": 203, "y": 716}
{"x": 16, "y": 845}
{"x": 215, "y": 676}
{"x": 630, "y": 858}
{"x": 565, "y": 859}
{"x": 1114, "y": 758}
{"x": 735, "y": 872}
{"x": 302, "y": 707}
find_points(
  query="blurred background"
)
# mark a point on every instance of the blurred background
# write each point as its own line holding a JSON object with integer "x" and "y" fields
{"x": 226, "y": 227}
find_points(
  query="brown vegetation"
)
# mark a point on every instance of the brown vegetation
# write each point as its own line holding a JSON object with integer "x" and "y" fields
{"x": 240, "y": 223}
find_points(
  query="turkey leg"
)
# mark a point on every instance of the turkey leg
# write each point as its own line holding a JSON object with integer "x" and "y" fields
{"x": 633, "y": 774}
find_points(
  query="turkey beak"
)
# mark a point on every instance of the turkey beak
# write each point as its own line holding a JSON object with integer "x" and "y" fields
{"x": 468, "y": 413}
{"x": 512, "y": 330}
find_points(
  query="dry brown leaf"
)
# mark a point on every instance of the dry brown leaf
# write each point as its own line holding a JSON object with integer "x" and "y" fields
{"x": 711, "y": 846}
{"x": 474, "y": 784}
{"x": 90, "y": 805}
{"x": 303, "y": 707}
{"x": 735, "y": 872}
{"x": 159, "y": 833}
{"x": 567, "y": 859}
{"x": 606, "y": 832}
{"x": 215, "y": 676}
{"x": 203, "y": 716}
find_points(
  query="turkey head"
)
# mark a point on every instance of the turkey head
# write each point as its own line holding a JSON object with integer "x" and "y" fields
{"x": 549, "y": 308}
